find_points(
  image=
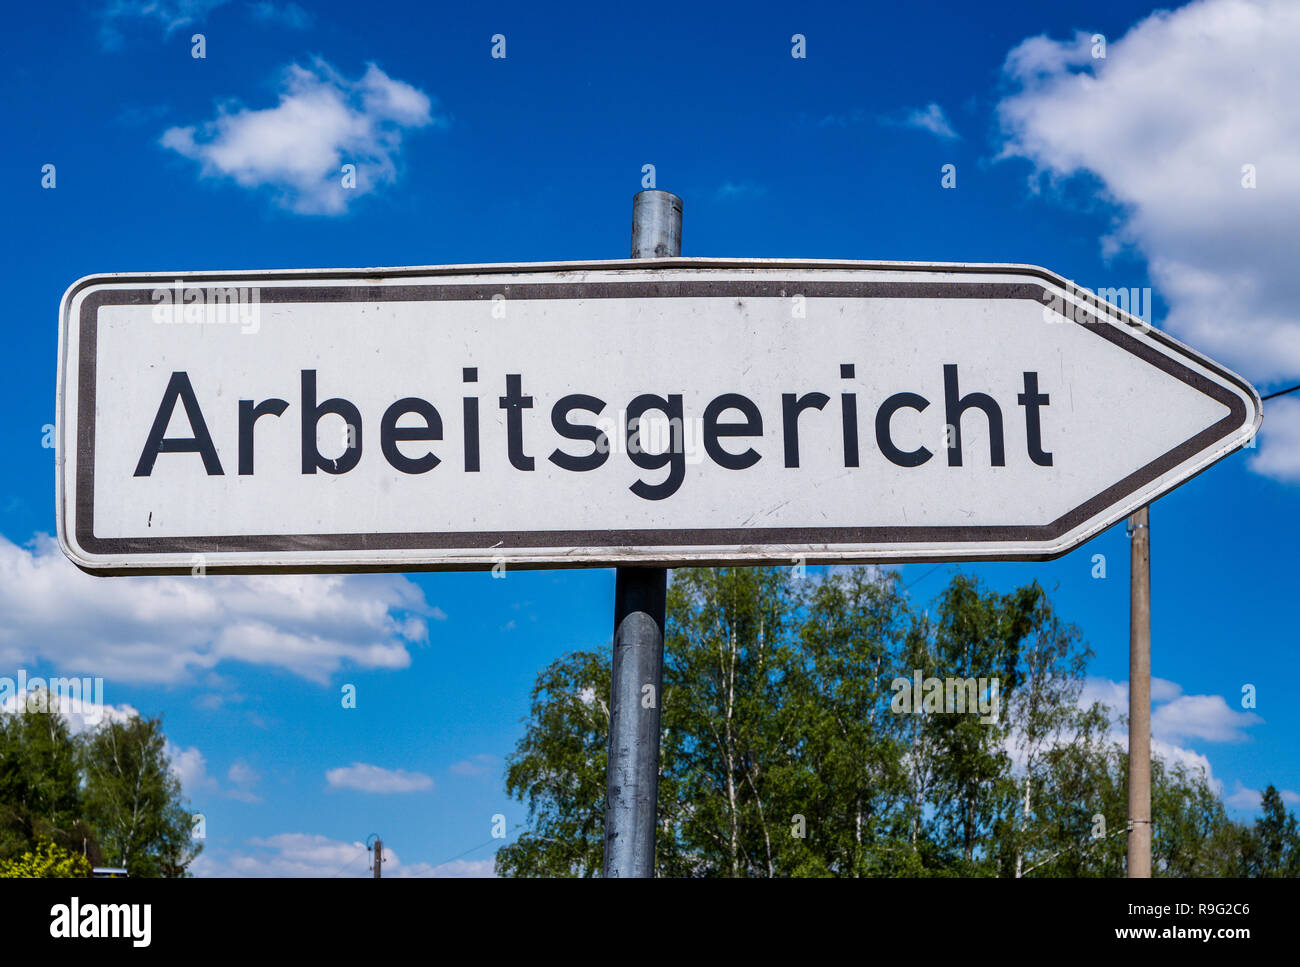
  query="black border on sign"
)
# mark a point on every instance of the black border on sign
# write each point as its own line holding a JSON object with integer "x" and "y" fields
{"x": 605, "y": 539}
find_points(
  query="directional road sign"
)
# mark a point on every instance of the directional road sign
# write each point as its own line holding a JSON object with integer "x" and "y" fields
{"x": 668, "y": 412}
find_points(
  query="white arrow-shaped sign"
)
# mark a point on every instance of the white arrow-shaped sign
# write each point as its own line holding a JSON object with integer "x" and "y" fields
{"x": 670, "y": 412}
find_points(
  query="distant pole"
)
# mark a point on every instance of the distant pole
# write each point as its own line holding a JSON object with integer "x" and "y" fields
{"x": 379, "y": 857}
{"x": 1139, "y": 697}
{"x": 640, "y": 593}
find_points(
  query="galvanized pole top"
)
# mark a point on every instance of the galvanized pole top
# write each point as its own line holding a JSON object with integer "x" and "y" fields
{"x": 656, "y": 225}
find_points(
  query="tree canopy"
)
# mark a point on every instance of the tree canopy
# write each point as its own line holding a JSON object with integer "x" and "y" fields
{"x": 790, "y": 744}
{"x": 107, "y": 796}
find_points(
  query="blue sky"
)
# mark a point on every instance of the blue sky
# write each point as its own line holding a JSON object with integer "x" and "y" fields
{"x": 1127, "y": 170}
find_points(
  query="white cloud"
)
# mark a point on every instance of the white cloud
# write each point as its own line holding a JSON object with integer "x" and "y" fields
{"x": 168, "y": 629}
{"x": 872, "y": 572}
{"x": 242, "y": 778}
{"x": 1250, "y": 800}
{"x": 80, "y": 709}
{"x": 85, "y": 714}
{"x": 458, "y": 869}
{"x": 1279, "y": 440}
{"x": 313, "y": 855}
{"x": 285, "y": 15}
{"x": 191, "y": 768}
{"x": 1165, "y": 123}
{"x": 739, "y": 190}
{"x": 931, "y": 118}
{"x": 171, "y": 15}
{"x": 213, "y": 701}
{"x": 1175, "y": 755}
{"x": 1114, "y": 695}
{"x": 368, "y": 778}
{"x": 1175, "y": 719}
{"x": 1174, "y": 715}
{"x": 1162, "y": 690}
{"x": 856, "y": 116}
{"x": 475, "y": 765}
{"x": 298, "y": 148}
{"x": 1205, "y": 717}
{"x": 291, "y": 855}
{"x": 1244, "y": 799}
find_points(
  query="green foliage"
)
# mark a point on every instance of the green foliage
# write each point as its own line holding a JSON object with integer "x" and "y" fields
{"x": 783, "y": 754}
{"x": 1191, "y": 835}
{"x": 108, "y": 794}
{"x": 1187, "y": 817}
{"x": 40, "y": 783}
{"x": 1274, "y": 843}
{"x": 725, "y": 720}
{"x": 978, "y": 635}
{"x": 47, "y": 861}
{"x": 559, "y": 769}
{"x": 133, "y": 799}
{"x": 847, "y": 773}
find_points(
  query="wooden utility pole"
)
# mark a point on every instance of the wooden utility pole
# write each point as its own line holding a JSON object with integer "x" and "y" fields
{"x": 1139, "y": 696}
{"x": 379, "y": 857}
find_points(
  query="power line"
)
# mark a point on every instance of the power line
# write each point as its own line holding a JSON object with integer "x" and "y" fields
{"x": 1281, "y": 392}
{"x": 347, "y": 864}
{"x": 473, "y": 848}
{"x": 467, "y": 852}
{"x": 924, "y": 576}
{"x": 452, "y": 859}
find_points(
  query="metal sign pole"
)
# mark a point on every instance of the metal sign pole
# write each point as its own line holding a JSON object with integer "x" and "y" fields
{"x": 632, "y": 779}
{"x": 1139, "y": 697}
